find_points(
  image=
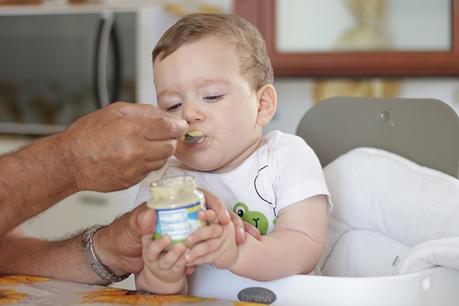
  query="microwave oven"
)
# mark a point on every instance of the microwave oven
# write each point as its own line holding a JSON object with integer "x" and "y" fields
{"x": 58, "y": 64}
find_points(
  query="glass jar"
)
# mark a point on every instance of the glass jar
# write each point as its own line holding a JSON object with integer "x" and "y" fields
{"x": 177, "y": 202}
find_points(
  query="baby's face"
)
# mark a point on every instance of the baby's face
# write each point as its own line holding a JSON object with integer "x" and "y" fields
{"x": 202, "y": 83}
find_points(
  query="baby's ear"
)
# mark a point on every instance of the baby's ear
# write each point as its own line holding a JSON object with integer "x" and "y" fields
{"x": 267, "y": 104}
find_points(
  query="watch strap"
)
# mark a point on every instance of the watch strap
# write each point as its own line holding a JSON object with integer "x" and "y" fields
{"x": 93, "y": 259}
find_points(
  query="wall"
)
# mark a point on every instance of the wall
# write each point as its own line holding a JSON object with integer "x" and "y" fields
{"x": 295, "y": 97}
{"x": 318, "y": 26}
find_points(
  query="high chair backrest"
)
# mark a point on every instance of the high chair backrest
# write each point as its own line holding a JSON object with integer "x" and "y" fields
{"x": 387, "y": 197}
{"x": 425, "y": 131}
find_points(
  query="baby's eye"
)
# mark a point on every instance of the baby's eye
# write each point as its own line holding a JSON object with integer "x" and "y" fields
{"x": 174, "y": 107}
{"x": 213, "y": 98}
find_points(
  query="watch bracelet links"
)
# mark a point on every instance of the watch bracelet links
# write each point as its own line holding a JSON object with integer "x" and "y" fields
{"x": 93, "y": 259}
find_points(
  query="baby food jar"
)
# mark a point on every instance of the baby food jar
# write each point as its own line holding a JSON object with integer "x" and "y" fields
{"x": 177, "y": 202}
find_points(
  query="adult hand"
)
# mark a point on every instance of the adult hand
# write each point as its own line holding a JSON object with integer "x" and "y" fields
{"x": 115, "y": 147}
{"x": 119, "y": 245}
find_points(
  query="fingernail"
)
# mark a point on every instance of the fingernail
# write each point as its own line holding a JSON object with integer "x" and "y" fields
{"x": 142, "y": 218}
{"x": 188, "y": 257}
{"x": 241, "y": 231}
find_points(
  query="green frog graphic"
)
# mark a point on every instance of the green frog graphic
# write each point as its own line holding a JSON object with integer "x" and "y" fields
{"x": 255, "y": 218}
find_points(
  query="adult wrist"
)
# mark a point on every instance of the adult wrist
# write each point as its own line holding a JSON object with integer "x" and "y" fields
{"x": 103, "y": 244}
{"x": 95, "y": 262}
{"x": 62, "y": 154}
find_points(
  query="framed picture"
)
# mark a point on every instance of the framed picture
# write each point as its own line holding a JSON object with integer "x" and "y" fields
{"x": 359, "y": 38}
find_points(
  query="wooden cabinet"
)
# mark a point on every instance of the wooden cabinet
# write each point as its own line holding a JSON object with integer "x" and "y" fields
{"x": 359, "y": 63}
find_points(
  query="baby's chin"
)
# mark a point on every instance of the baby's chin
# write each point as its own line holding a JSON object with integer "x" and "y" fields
{"x": 201, "y": 165}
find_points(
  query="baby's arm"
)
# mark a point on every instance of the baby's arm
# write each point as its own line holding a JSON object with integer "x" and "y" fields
{"x": 294, "y": 247}
{"x": 163, "y": 272}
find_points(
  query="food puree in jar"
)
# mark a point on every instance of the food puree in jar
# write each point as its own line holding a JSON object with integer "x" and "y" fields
{"x": 177, "y": 202}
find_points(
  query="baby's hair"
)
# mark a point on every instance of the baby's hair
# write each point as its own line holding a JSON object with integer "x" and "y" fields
{"x": 255, "y": 63}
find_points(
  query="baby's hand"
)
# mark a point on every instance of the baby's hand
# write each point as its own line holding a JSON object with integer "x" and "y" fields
{"x": 163, "y": 272}
{"x": 214, "y": 244}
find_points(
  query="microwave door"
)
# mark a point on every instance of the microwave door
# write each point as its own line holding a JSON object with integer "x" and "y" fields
{"x": 47, "y": 69}
{"x": 57, "y": 67}
{"x": 107, "y": 37}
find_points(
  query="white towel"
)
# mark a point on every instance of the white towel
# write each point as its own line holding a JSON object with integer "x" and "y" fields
{"x": 440, "y": 252}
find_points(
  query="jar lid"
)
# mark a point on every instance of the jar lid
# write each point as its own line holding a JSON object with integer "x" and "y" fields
{"x": 172, "y": 190}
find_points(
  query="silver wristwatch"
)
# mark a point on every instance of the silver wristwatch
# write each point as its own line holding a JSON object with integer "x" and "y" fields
{"x": 97, "y": 266}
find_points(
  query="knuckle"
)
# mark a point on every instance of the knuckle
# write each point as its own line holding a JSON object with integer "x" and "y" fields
{"x": 165, "y": 123}
{"x": 132, "y": 127}
{"x": 170, "y": 145}
{"x": 132, "y": 152}
{"x": 126, "y": 184}
{"x": 122, "y": 107}
{"x": 157, "y": 164}
{"x": 170, "y": 127}
{"x": 161, "y": 150}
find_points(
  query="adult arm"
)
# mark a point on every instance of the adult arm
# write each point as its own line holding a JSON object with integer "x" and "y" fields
{"x": 110, "y": 149}
{"x": 118, "y": 245}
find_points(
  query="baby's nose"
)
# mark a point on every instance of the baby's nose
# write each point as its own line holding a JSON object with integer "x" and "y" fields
{"x": 192, "y": 113}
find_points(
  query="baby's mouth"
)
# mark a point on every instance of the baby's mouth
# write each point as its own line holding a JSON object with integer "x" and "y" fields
{"x": 194, "y": 137}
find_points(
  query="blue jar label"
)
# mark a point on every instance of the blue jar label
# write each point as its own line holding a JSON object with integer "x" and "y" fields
{"x": 179, "y": 222}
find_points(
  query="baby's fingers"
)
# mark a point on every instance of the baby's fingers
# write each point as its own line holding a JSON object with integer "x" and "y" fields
{"x": 209, "y": 216}
{"x": 171, "y": 258}
{"x": 189, "y": 270}
{"x": 239, "y": 228}
{"x": 205, "y": 233}
{"x": 213, "y": 203}
{"x": 207, "y": 258}
{"x": 153, "y": 248}
{"x": 200, "y": 253}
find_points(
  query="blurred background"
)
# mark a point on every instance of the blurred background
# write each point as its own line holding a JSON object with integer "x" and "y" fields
{"x": 62, "y": 59}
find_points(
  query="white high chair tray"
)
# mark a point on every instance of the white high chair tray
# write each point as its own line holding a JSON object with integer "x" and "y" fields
{"x": 436, "y": 286}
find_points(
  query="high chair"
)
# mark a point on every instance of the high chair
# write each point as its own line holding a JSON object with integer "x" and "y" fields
{"x": 393, "y": 237}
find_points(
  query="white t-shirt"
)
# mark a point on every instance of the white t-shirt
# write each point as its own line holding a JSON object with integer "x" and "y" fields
{"x": 281, "y": 172}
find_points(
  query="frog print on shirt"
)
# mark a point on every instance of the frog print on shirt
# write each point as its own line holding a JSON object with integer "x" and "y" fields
{"x": 255, "y": 218}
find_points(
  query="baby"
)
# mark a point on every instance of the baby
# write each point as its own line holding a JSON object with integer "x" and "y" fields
{"x": 213, "y": 71}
